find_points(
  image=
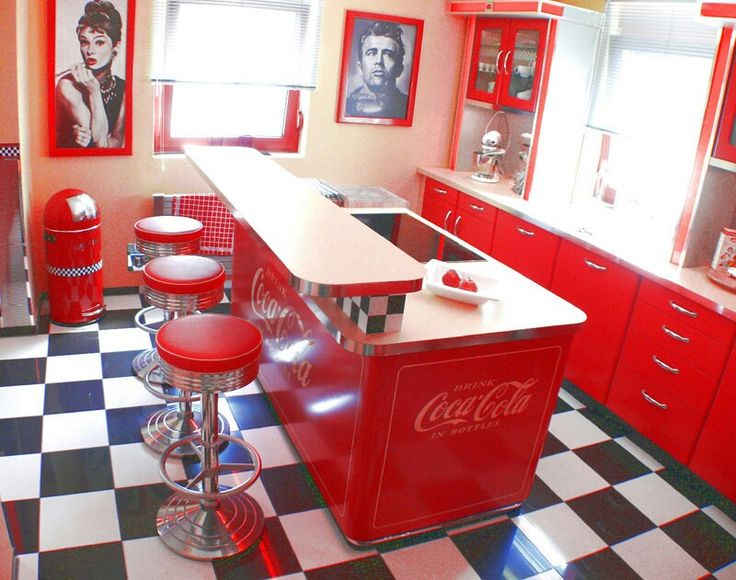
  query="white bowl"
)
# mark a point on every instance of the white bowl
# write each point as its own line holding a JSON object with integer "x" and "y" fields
{"x": 437, "y": 269}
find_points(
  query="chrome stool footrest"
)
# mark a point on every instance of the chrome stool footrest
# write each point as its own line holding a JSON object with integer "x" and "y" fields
{"x": 171, "y": 424}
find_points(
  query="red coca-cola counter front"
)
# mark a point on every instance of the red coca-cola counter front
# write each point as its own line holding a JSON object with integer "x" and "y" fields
{"x": 411, "y": 411}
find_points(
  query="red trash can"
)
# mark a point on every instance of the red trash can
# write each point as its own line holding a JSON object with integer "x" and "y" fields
{"x": 73, "y": 258}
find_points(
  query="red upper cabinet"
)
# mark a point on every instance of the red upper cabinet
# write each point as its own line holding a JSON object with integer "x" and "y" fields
{"x": 725, "y": 145}
{"x": 507, "y": 59}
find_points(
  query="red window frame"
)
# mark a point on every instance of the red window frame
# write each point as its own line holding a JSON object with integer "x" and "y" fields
{"x": 163, "y": 142}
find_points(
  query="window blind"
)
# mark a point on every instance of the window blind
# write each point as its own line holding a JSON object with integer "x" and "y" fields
{"x": 253, "y": 42}
{"x": 651, "y": 55}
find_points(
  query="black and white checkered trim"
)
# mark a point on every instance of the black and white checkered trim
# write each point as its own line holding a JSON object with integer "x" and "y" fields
{"x": 74, "y": 272}
{"x": 374, "y": 314}
{"x": 9, "y": 150}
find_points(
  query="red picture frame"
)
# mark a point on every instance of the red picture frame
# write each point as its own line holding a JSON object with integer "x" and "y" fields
{"x": 79, "y": 49}
{"x": 378, "y": 82}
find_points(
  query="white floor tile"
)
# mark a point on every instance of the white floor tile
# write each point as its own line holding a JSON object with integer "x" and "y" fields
{"x": 123, "y": 302}
{"x": 639, "y": 453}
{"x": 569, "y": 476}
{"x": 726, "y": 573}
{"x": 548, "y": 575}
{"x": 570, "y": 400}
{"x": 77, "y": 520}
{"x": 17, "y": 347}
{"x": 136, "y": 464}
{"x": 439, "y": 559}
{"x": 21, "y": 477}
{"x": 654, "y": 555}
{"x": 224, "y": 409}
{"x": 27, "y": 566}
{"x": 575, "y": 430}
{"x": 22, "y": 401}
{"x": 298, "y": 576}
{"x": 58, "y": 329}
{"x": 121, "y": 339}
{"x": 74, "y": 431}
{"x": 73, "y": 367}
{"x": 127, "y": 392}
{"x": 655, "y": 498}
{"x": 273, "y": 445}
{"x": 559, "y": 533}
{"x": 721, "y": 519}
{"x": 317, "y": 541}
{"x": 147, "y": 558}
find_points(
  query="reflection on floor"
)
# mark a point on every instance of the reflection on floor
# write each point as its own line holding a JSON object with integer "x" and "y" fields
{"x": 80, "y": 491}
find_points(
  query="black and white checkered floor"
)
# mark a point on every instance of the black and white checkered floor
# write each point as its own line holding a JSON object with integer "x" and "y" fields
{"x": 80, "y": 491}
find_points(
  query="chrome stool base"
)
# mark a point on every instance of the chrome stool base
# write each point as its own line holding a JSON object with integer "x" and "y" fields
{"x": 208, "y": 533}
{"x": 169, "y": 425}
{"x": 143, "y": 361}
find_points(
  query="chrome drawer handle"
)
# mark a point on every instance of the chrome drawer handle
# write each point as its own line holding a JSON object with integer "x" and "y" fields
{"x": 674, "y": 335}
{"x": 653, "y": 401}
{"x": 682, "y": 310}
{"x": 524, "y": 232}
{"x": 665, "y": 366}
{"x": 506, "y": 62}
{"x": 477, "y": 207}
{"x": 594, "y": 265}
{"x": 440, "y": 191}
{"x": 457, "y": 223}
{"x": 447, "y": 217}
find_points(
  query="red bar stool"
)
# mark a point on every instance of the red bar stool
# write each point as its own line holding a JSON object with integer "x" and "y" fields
{"x": 210, "y": 354}
{"x": 180, "y": 286}
{"x": 167, "y": 235}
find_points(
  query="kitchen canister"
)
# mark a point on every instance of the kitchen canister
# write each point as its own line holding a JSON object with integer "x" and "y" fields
{"x": 723, "y": 267}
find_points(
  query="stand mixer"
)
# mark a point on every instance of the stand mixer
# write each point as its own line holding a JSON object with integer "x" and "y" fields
{"x": 487, "y": 161}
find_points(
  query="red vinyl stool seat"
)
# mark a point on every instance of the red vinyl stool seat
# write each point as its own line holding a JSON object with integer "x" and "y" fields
{"x": 166, "y": 235}
{"x": 210, "y": 354}
{"x": 180, "y": 286}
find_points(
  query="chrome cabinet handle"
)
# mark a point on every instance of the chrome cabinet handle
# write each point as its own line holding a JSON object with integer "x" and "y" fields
{"x": 477, "y": 207}
{"x": 653, "y": 401}
{"x": 498, "y": 58}
{"x": 506, "y": 62}
{"x": 594, "y": 265}
{"x": 447, "y": 217}
{"x": 672, "y": 334}
{"x": 683, "y": 310}
{"x": 440, "y": 191}
{"x": 457, "y": 223}
{"x": 524, "y": 232}
{"x": 665, "y": 366}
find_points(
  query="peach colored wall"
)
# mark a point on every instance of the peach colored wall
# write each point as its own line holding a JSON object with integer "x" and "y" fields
{"x": 8, "y": 74}
{"x": 339, "y": 153}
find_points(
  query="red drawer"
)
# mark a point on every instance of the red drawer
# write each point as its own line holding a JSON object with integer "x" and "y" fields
{"x": 660, "y": 368}
{"x": 681, "y": 339}
{"x": 434, "y": 190}
{"x": 526, "y": 248}
{"x": 662, "y": 418}
{"x": 477, "y": 208}
{"x": 696, "y": 315}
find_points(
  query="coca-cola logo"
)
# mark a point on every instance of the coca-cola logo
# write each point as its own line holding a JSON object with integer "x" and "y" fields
{"x": 283, "y": 324}
{"x": 501, "y": 400}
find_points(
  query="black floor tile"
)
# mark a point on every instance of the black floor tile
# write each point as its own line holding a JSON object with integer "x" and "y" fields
{"x": 689, "y": 485}
{"x": 118, "y": 319}
{"x": 598, "y": 566}
{"x": 552, "y": 446}
{"x": 21, "y": 519}
{"x": 291, "y": 489}
{"x": 118, "y": 364}
{"x": 252, "y": 411}
{"x": 610, "y": 515}
{"x": 124, "y": 425}
{"x": 612, "y": 462}
{"x": 270, "y": 558}
{"x": 73, "y": 343}
{"x": 606, "y": 421}
{"x": 137, "y": 509}
{"x": 540, "y": 496}
{"x": 501, "y": 550}
{"x": 24, "y": 371}
{"x": 86, "y": 563}
{"x": 561, "y": 406}
{"x": 20, "y": 436}
{"x": 703, "y": 539}
{"x": 372, "y": 567}
{"x": 73, "y": 396}
{"x": 76, "y": 471}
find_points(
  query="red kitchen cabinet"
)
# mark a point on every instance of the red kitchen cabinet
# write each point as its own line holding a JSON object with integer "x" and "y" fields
{"x": 468, "y": 218}
{"x": 725, "y": 143}
{"x": 605, "y": 291}
{"x": 528, "y": 249}
{"x": 506, "y": 61}
{"x": 715, "y": 450}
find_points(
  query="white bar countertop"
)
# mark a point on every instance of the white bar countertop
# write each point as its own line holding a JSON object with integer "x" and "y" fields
{"x": 323, "y": 244}
{"x": 691, "y": 282}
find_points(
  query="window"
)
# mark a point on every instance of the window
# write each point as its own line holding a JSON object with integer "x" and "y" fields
{"x": 232, "y": 71}
{"x": 650, "y": 87}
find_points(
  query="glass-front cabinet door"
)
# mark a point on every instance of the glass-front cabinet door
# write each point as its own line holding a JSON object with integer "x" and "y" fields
{"x": 526, "y": 44}
{"x": 725, "y": 145}
{"x": 487, "y": 55}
